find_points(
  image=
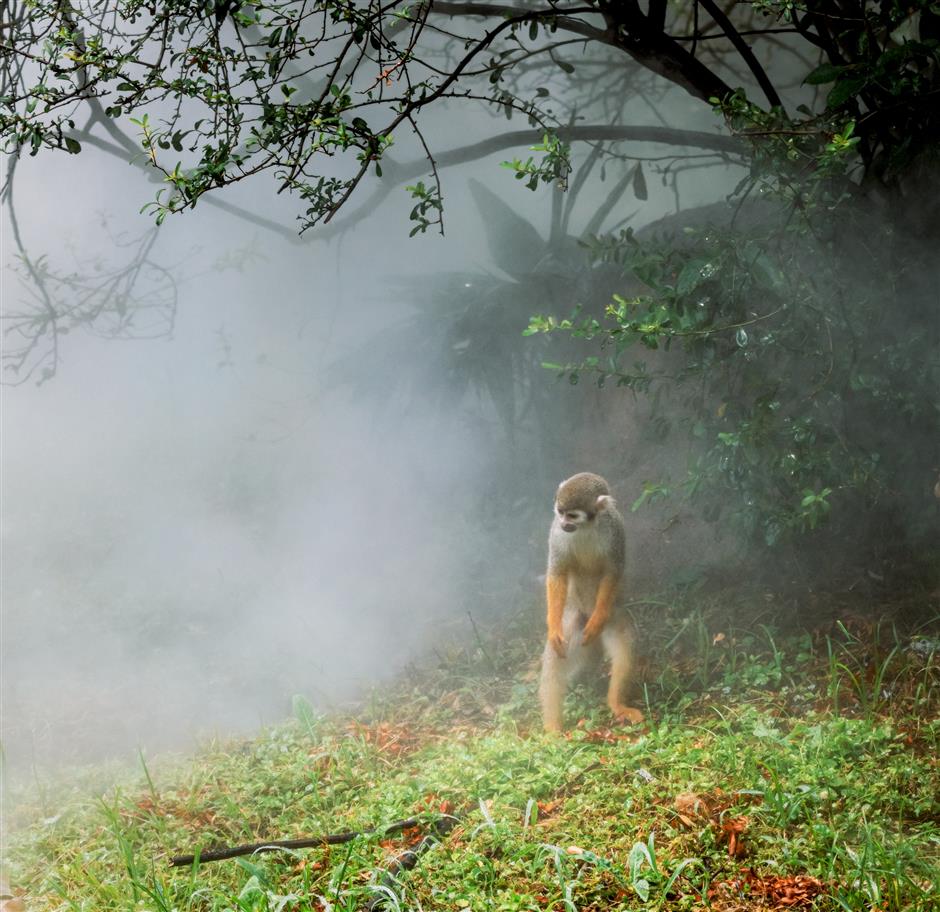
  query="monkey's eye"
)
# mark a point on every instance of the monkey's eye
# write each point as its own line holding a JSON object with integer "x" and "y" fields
{"x": 575, "y": 516}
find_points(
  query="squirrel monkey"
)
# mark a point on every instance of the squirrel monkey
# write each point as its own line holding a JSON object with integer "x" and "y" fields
{"x": 586, "y": 557}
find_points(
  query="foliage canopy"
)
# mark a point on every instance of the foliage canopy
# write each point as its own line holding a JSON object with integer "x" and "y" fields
{"x": 807, "y": 315}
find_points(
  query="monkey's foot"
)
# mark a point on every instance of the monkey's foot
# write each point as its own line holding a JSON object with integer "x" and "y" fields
{"x": 627, "y": 714}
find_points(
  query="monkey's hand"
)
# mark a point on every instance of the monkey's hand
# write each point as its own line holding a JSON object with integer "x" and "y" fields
{"x": 557, "y": 641}
{"x": 593, "y": 627}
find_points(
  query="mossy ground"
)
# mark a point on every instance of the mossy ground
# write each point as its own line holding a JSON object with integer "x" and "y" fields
{"x": 784, "y": 765}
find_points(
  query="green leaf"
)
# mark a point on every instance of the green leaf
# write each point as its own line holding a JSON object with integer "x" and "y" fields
{"x": 845, "y": 89}
{"x": 639, "y": 183}
{"x": 766, "y": 272}
{"x": 690, "y": 277}
{"x": 304, "y": 712}
{"x": 823, "y": 74}
{"x": 73, "y": 145}
{"x": 516, "y": 247}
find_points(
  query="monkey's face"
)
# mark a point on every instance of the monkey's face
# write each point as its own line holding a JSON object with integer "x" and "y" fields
{"x": 579, "y": 500}
{"x": 572, "y": 520}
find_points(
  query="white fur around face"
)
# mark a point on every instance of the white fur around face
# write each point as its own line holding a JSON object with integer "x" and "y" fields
{"x": 585, "y": 543}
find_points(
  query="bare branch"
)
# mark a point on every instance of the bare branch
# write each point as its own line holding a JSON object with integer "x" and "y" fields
{"x": 743, "y": 48}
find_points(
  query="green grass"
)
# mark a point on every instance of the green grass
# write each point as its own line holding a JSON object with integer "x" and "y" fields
{"x": 801, "y": 759}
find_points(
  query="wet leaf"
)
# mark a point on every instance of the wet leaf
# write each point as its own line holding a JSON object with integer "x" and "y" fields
{"x": 639, "y": 183}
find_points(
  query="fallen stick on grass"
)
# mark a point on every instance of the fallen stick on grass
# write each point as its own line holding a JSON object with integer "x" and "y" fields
{"x": 309, "y": 842}
{"x": 409, "y": 859}
{"x": 441, "y": 826}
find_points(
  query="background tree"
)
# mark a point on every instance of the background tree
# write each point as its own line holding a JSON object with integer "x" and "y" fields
{"x": 811, "y": 341}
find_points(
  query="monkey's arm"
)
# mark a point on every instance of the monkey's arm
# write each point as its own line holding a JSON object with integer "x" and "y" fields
{"x": 606, "y": 594}
{"x": 556, "y": 592}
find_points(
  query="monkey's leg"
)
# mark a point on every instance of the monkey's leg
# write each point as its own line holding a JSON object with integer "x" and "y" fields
{"x": 557, "y": 671}
{"x": 552, "y": 688}
{"x": 618, "y": 646}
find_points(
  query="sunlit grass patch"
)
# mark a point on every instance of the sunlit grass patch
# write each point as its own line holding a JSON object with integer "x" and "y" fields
{"x": 750, "y": 787}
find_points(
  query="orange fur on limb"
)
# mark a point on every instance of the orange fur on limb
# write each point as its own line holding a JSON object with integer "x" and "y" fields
{"x": 556, "y": 592}
{"x": 606, "y": 595}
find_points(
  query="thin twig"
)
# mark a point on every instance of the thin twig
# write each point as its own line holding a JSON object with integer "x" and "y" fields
{"x": 479, "y": 640}
{"x": 279, "y": 845}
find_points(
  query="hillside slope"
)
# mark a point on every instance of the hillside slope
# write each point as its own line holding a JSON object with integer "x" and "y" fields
{"x": 779, "y": 768}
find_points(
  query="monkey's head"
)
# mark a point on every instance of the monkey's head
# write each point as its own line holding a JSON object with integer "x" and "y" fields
{"x": 579, "y": 500}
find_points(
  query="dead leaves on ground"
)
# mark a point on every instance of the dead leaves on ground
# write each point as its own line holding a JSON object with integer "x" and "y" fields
{"x": 732, "y": 829}
{"x": 695, "y": 810}
{"x": 752, "y": 891}
{"x": 396, "y": 740}
{"x": 605, "y": 734}
{"x": 393, "y": 843}
{"x": 399, "y": 739}
{"x": 547, "y": 809}
{"x": 435, "y": 804}
{"x": 189, "y": 810}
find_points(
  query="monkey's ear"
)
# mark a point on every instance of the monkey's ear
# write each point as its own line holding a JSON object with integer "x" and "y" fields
{"x": 603, "y": 502}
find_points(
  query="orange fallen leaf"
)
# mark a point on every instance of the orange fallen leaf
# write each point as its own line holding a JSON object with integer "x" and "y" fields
{"x": 776, "y": 892}
{"x": 548, "y": 807}
{"x": 731, "y": 829}
{"x": 690, "y": 807}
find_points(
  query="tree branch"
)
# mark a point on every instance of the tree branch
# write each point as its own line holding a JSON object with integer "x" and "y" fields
{"x": 742, "y": 47}
{"x": 238, "y": 211}
{"x": 627, "y": 29}
{"x": 699, "y": 139}
{"x": 396, "y": 174}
